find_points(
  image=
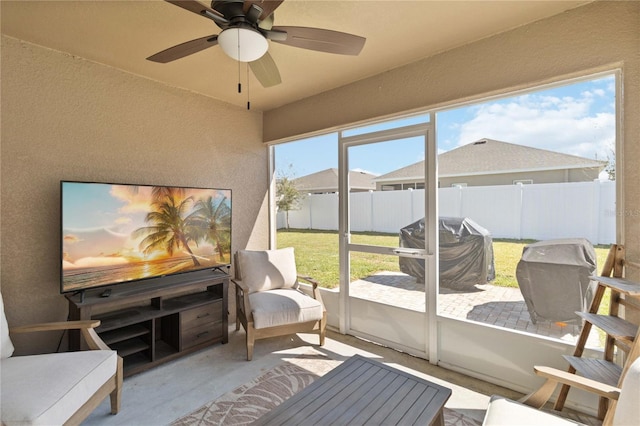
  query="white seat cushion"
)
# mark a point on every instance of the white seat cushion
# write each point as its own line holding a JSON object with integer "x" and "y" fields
{"x": 283, "y": 306}
{"x": 6, "y": 347}
{"x": 628, "y": 408}
{"x": 505, "y": 412}
{"x": 48, "y": 389}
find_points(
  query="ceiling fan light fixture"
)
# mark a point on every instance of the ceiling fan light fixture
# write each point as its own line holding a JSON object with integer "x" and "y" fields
{"x": 243, "y": 44}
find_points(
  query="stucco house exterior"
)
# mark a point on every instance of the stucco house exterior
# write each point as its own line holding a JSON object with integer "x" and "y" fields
{"x": 326, "y": 181}
{"x": 488, "y": 162}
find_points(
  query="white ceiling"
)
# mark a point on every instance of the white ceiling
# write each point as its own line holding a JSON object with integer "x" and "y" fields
{"x": 122, "y": 34}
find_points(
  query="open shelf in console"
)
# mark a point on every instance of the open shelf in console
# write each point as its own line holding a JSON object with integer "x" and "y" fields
{"x": 150, "y": 323}
{"x": 124, "y": 333}
{"x": 130, "y": 347}
{"x": 124, "y": 318}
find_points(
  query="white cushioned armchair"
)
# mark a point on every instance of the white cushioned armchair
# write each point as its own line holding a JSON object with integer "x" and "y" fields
{"x": 625, "y": 411}
{"x": 57, "y": 388}
{"x": 269, "y": 300}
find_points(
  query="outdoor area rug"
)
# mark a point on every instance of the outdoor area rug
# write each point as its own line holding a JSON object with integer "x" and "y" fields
{"x": 250, "y": 401}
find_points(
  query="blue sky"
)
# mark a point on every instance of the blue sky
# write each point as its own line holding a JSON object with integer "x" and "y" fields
{"x": 576, "y": 119}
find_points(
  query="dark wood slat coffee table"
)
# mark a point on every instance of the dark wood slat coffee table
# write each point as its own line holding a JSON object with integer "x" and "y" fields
{"x": 363, "y": 391}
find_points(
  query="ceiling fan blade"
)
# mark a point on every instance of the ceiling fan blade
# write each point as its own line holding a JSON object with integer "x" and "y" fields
{"x": 319, "y": 39}
{"x": 267, "y": 6}
{"x": 266, "y": 71}
{"x": 200, "y": 9}
{"x": 184, "y": 49}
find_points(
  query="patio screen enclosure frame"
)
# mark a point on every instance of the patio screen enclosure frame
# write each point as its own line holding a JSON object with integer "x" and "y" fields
{"x": 495, "y": 354}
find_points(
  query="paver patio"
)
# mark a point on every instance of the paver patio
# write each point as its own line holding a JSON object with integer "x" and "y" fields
{"x": 486, "y": 303}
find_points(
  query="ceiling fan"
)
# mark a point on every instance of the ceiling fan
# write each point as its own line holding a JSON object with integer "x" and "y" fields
{"x": 246, "y": 27}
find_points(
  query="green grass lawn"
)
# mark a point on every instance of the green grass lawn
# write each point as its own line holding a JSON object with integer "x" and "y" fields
{"x": 317, "y": 255}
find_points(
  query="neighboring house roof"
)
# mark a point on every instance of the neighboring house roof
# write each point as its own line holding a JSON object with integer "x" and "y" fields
{"x": 327, "y": 181}
{"x": 488, "y": 156}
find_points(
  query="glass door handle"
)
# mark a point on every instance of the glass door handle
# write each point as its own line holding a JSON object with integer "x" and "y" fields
{"x": 409, "y": 252}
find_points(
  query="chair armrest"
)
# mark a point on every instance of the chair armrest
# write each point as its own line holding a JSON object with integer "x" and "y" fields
{"x": 93, "y": 340}
{"x": 87, "y": 329}
{"x": 554, "y": 376}
{"x": 580, "y": 382}
{"x": 310, "y": 280}
{"x": 314, "y": 284}
{"x": 241, "y": 285}
{"x": 242, "y": 291}
{"x": 53, "y": 326}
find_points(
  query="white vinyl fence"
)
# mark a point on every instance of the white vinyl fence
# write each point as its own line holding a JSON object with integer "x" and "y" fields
{"x": 538, "y": 211}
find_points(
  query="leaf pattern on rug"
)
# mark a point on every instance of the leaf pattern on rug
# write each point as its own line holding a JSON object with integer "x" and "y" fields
{"x": 453, "y": 418}
{"x": 250, "y": 401}
{"x": 245, "y": 404}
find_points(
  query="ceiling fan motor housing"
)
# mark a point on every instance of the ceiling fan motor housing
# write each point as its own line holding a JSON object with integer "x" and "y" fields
{"x": 233, "y": 11}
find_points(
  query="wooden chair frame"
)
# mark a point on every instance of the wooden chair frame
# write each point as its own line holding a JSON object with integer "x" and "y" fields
{"x": 244, "y": 315}
{"x": 112, "y": 387}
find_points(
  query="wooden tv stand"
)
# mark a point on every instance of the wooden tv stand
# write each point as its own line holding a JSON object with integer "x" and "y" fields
{"x": 159, "y": 320}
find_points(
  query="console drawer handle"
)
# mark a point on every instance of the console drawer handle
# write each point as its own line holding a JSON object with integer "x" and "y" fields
{"x": 202, "y": 316}
{"x": 204, "y": 333}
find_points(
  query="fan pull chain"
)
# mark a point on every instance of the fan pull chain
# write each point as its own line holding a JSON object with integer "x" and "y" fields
{"x": 248, "y": 89}
{"x": 239, "y": 72}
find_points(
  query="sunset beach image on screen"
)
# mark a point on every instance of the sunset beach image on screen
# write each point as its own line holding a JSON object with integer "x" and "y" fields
{"x": 117, "y": 233}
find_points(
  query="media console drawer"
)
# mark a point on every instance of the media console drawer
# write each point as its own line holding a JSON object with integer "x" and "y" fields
{"x": 199, "y": 325}
{"x": 201, "y": 315}
{"x": 201, "y": 334}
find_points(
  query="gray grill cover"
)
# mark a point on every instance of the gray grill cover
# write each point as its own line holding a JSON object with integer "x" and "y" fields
{"x": 553, "y": 277}
{"x": 466, "y": 252}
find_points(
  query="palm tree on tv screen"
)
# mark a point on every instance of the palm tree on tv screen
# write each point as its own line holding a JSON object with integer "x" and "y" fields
{"x": 212, "y": 217}
{"x": 170, "y": 230}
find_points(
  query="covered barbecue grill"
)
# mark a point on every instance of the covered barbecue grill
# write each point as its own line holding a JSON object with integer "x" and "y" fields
{"x": 553, "y": 277}
{"x": 466, "y": 252}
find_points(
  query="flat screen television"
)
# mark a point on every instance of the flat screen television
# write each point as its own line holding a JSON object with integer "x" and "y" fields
{"x": 122, "y": 233}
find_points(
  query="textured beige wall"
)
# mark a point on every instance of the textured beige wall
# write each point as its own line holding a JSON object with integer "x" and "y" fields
{"x": 68, "y": 118}
{"x": 598, "y": 36}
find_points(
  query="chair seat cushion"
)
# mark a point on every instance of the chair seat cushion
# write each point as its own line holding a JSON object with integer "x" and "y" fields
{"x": 6, "y": 346}
{"x": 505, "y": 412}
{"x": 283, "y": 306}
{"x": 628, "y": 409}
{"x": 48, "y": 389}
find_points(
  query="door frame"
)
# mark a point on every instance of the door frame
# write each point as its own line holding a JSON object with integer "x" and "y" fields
{"x": 429, "y": 254}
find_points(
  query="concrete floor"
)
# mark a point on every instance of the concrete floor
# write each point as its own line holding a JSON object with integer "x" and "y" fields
{"x": 165, "y": 393}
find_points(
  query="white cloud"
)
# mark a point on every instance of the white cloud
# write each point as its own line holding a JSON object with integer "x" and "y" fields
{"x": 564, "y": 124}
